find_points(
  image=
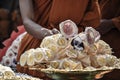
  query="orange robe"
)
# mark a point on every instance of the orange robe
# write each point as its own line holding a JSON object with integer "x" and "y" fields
{"x": 49, "y": 13}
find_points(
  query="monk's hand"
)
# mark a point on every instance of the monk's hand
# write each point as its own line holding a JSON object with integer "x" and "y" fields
{"x": 55, "y": 31}
{"x": 105, "y": 26}
{"x": 45, "y": 32}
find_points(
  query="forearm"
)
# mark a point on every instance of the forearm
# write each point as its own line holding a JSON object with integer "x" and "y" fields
{"x": 105, "y": 26}
{"x": 32, "y": 28}
{"x": 26, "y": 9}
{"x": 27, "y": 12}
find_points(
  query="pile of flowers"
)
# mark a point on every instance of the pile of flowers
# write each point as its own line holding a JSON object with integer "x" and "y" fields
{"x": 71, "y": 50}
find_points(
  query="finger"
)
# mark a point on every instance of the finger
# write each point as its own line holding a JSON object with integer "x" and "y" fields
{"x": 48, "y": 33}
{"x": 55, "y": 31}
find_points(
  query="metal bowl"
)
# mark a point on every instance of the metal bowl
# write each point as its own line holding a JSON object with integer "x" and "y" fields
{"x": 73, "y": 74}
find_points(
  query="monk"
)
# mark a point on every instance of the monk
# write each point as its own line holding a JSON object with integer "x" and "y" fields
{"x": 42, "y": 17}
{"x": 110, "y": 30}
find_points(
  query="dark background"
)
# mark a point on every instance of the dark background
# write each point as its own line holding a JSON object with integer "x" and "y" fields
{"x": 10, "y": 18}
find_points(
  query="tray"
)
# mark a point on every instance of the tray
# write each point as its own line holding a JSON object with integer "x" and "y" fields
{"x": 61, "y": 74}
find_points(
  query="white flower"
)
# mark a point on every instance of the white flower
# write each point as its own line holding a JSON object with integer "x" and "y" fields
{"x": 7, "y": 61}
{"x": 15, "y": 46}
{"x": 103, "y": 47}
{"x": 10, "y": 53}
{"x": 68, "y": 28}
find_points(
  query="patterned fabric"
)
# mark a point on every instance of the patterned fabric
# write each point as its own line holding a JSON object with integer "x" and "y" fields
{"x": 9, "y": 52}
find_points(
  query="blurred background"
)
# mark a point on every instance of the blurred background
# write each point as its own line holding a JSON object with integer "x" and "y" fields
{"x": 10, "y": 18}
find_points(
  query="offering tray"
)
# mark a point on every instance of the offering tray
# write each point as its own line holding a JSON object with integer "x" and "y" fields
{"x": 62, "y": 74}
